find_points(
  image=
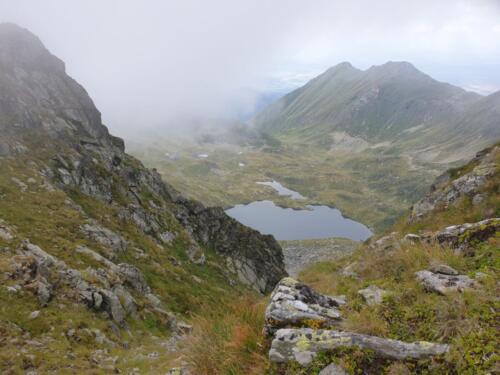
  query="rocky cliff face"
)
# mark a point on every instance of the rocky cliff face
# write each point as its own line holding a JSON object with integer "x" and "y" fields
{"x": 47, "y": 116}
{"x": 471, "y": 183}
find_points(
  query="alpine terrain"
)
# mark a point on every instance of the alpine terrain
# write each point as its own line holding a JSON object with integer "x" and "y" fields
{"x": 107, "y": 266}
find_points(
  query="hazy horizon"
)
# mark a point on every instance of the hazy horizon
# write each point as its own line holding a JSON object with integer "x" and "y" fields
{"x": 147, "y": 63}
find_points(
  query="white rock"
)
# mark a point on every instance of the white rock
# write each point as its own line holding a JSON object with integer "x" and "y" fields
{"x": 35, "y": 314}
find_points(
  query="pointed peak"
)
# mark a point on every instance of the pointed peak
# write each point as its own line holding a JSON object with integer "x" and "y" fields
{"x": 345, "y": 65}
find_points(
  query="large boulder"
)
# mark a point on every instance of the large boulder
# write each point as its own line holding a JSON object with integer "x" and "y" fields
{"x": 294, "y": 304}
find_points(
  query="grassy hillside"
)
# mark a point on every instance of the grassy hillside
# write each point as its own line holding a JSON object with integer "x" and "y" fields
{"x": 52, "y": 221}
{"x": 393, "y": 103}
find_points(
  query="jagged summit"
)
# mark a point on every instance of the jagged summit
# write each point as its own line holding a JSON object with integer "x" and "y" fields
{"x": 38, "y": 94}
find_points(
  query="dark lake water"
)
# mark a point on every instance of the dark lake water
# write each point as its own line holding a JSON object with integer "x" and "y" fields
{"x": 289, "y": 224}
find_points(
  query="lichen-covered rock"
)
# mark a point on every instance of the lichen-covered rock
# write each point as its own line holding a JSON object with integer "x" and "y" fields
{"x": 386, "y": 242}
{"x": 462, "y": 237}
{"x": 412, "y": 238}
{"x": 302, "y": 345}
{"x": 444, "y": 283}
{"x": 178, "y": 371}
{"x": 348, "y": 271}
{"x": 126, "y": 300}
{"x": 111, "y": 304}
{"x": 294, "y": 304}
{"x": 195, "y": 254}
{"x": 373, "y": 295}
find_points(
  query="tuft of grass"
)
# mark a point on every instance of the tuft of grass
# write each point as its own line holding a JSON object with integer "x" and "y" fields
{"x": 229, "y": 340}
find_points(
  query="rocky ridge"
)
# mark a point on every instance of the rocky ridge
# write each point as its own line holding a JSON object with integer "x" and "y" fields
{"x": 102, "y": 261}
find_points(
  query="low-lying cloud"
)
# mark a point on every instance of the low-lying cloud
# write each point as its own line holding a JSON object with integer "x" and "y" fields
{"x": 146, "y": 62}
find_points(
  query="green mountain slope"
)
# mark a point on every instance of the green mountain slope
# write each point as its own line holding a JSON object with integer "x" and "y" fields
{"x": 378, "y": 103}
{"x": 394, "y": 104}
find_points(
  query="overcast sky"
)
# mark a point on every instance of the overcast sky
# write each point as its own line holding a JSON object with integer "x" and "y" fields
{"x": 144, "y": 61}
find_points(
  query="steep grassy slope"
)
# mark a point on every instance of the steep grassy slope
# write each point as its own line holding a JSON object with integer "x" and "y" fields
{"x": 63, "y": 338}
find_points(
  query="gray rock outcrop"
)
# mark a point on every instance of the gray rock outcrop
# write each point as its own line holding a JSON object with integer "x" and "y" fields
{"x": 446, "y": 191}
{"x": 5, "y": 231}
{"x": 294, "y": 304}
{"x": 105, "y": 237}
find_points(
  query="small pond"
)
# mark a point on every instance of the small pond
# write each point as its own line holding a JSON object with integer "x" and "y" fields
{"x": 283, "y": 191}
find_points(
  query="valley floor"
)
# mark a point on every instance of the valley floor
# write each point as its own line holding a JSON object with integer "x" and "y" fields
{"x": 374, "y": 186}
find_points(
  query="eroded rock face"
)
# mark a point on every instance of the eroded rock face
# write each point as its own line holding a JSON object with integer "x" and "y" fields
{"x": 256, "y": 258}
{"x": 444, "y": 283}
{"x": 294, "y": 304}
{"x": 303, "y": 344}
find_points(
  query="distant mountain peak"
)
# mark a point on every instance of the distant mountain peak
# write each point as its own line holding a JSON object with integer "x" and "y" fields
{"x": 396, "y": 67}
{"x": 341, "y": 67}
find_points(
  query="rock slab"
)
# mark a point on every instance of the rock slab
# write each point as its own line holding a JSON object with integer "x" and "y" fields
{"x": 303, "y": 344}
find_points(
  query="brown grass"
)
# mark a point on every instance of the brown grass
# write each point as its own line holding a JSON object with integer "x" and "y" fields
{"x": 229, "y": 340}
